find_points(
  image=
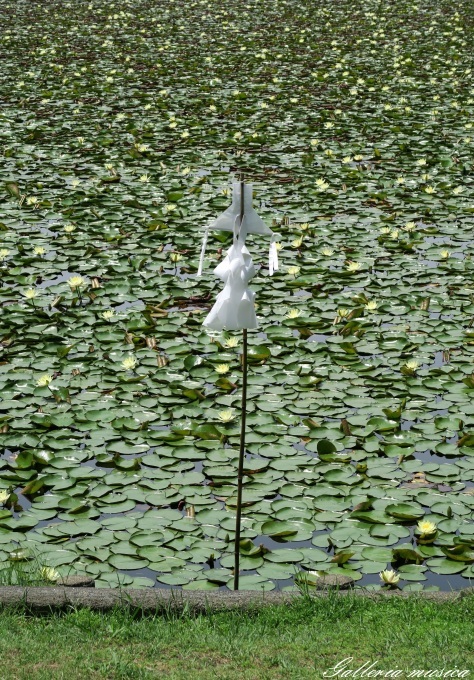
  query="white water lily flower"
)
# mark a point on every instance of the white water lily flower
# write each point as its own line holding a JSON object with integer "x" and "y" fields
{"x": 4, "y": 253}
{"x": 412, "y": 365}
{"x": 327, "y": 252}
{"x": 426, "y": 527}
{"x": 322, "y": 185}
{"x": 222, "y": 368}
{"x": 76, "y": 282}
{"x": 293, "y": 313}
{"x": 231, "y": 342}
{"x": 108, "y": 314}
{"x": 30, "y": 294}
{"x": 445, "y": 254}
{"x": 4, "y": 496}
{"x": 354, "y": 266}
{"x": 226, "y": 416}
{"x": 293, "y": 271}
{"x": 44, "y": 380}
{"x": 129, "y": 363}
{"x": 371, "y": 306}
{"x": 39, "y": 250}
{"x": 389, "y": 576}
{"x": 49, "y": 574}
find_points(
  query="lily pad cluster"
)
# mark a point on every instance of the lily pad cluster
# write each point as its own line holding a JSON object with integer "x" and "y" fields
{"x": 122, "y": 126}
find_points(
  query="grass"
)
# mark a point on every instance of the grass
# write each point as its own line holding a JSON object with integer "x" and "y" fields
{"x": 304, "y": 640}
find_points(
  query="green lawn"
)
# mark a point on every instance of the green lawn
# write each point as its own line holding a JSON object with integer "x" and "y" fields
{"x": 122, "y": 127}
{"x": 304, "y": 640}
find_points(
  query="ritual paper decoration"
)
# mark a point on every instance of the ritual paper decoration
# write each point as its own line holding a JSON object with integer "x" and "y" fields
{"x": 234, "y": 308}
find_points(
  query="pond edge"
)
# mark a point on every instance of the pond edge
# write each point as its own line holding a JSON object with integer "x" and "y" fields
{"x": 41, "y": 599}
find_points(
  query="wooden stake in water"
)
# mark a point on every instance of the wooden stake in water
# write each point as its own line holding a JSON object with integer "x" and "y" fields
{"x": 240, "y": 476}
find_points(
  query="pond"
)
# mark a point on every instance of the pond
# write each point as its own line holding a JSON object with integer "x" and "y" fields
{"x": 119, "y": 413}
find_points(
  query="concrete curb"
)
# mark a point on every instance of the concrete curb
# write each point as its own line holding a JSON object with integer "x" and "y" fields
{"x": 43, "y": 599}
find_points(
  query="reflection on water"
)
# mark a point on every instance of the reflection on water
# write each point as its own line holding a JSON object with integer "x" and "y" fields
{"x": 137, "y": 304}
{"x": 318, "y": 337}
{"x": 60, "y": 278}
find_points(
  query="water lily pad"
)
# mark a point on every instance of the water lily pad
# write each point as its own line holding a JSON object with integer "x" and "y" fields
{"x": 252, "y": 582}
{"x": 405, "y": 511}
{"x": 127, "y": 562}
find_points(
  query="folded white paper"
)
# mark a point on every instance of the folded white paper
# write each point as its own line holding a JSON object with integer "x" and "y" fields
{"x": 234, "y": 308}
{"x": 229, "y": 220}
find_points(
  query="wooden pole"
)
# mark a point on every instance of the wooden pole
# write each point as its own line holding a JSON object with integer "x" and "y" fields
{"x": 240, "y": 475}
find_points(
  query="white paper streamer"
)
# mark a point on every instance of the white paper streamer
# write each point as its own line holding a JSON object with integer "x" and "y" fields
{"x": 203, "y": 252}
{"x": 273, "y": 256}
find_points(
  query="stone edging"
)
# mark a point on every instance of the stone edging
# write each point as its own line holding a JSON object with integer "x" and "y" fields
{"x": 41, "y": 599}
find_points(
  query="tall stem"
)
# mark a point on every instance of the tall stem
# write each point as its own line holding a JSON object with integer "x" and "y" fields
{"x": 240, "y": 477}
{"x": 242, "y": 207}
